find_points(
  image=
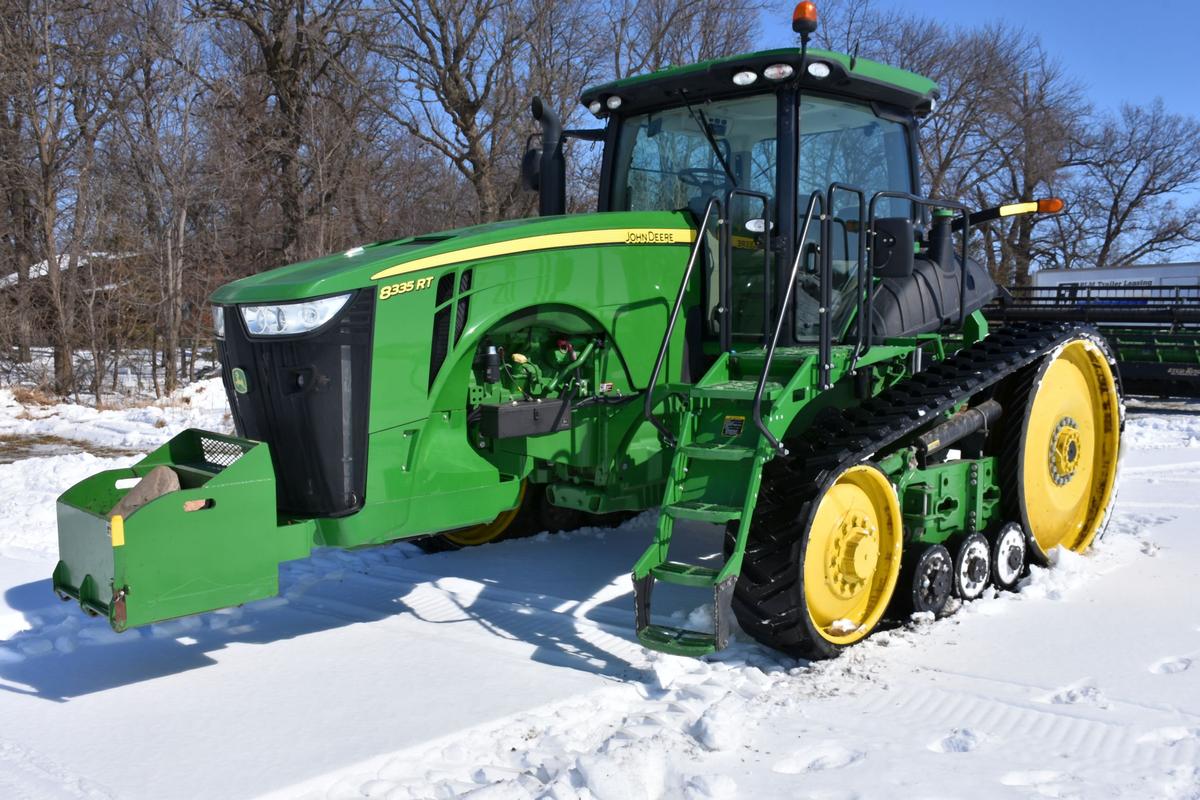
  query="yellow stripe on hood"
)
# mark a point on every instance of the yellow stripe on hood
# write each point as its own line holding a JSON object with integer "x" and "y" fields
{"x": 549, "y": 241}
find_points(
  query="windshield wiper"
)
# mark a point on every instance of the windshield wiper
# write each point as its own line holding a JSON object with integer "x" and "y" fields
{"x": 706, "y": 129}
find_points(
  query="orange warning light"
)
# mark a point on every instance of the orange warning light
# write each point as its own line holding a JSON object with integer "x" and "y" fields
{"x": 804, "y": 18}
{"x": 1051, "y": 205}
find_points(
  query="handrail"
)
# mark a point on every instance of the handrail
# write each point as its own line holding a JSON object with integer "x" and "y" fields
{"x": 861, "y": 263}
{"x": 648, "y": 408}
{"x": 813, "y": 200}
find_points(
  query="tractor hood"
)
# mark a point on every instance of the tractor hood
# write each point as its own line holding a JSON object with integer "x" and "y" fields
{"x": 383, "y": 262}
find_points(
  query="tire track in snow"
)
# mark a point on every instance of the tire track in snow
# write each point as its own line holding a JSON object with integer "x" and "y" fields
{"x": 1092, "y": 741}
{"x": 1158, "y": 504}
{"x": 25, "y": 774}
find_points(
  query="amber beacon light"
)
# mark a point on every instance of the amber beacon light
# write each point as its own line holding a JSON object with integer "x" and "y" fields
{"x": 804, "y": 18}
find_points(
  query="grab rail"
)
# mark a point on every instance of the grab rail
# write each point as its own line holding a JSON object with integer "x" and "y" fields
{"x": 864, "y": 279}
{"x": 648, "y": 408}
{"x": 813, "y": 200}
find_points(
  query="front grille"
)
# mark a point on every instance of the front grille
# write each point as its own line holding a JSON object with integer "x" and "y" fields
{"x": 307, "y": 397}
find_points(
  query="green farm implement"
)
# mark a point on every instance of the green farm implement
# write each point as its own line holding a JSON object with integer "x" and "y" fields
{"x": 1154, "y": 331}
{"x": 764, "y": 327}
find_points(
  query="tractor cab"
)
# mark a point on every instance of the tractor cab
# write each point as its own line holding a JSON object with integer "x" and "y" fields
{"x": 754, "y": 137}
{"x": 730, "y": 150}
{"x": 798, "y": 168}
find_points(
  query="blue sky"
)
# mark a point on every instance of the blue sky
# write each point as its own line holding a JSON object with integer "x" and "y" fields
{"x": 1118, "y": 51}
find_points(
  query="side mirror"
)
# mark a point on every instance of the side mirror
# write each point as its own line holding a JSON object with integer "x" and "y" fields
{"x": 531, "y": 169}
{"x": 892, "y": 250}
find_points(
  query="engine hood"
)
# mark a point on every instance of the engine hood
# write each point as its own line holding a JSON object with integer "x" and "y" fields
{"x": 382, "y": 262}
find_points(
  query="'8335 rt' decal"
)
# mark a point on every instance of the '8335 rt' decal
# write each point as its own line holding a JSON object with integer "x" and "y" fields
{"x": 404, "y": 287}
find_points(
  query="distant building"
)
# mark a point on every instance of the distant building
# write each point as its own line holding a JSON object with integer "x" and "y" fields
{"x": 1136, "y": 275}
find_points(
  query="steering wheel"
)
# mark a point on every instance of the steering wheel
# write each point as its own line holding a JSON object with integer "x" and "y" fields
{"x": 696, "y": 176}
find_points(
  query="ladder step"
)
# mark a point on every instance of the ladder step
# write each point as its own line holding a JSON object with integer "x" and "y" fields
{"x": 737, "y": 390}
{"x": 718, "y": 451}
{"x": 677, "y": 641}
{"x": 685, "y": 574}
{"x": 702, "y": 512}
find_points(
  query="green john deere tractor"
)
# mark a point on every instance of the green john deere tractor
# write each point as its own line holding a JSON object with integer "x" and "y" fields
{"x": 764, "y": 326}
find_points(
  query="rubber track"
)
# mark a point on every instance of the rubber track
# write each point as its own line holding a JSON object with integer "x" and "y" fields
{"x": 768, "y": 598}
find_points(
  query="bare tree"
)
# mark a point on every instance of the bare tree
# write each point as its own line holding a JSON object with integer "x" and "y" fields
{"x": 456, "y": 89}
{"x": 58, "y": 58}
{"x": 298, "y": 43}
{"x": 1140, "y": 165}
{"x": 1035, "y": 141}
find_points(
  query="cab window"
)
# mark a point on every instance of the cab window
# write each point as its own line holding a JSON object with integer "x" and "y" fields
{"x": 847, "y": 143}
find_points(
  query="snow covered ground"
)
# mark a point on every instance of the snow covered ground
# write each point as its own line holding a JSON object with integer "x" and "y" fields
{"x": 510, "y": 671}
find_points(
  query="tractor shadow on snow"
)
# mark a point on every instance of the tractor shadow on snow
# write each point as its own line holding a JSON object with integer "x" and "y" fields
{"x": 563, "y": 600}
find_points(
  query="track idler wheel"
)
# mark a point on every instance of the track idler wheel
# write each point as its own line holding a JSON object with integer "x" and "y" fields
{"x": 1009, "y": 552}
{"x": 972, "y": 566}
{"x": 930, "y": 580}
{"x": 1061, "y": 443}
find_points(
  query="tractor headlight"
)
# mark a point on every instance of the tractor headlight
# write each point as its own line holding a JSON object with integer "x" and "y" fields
{"x": 286, "y": 319}
{"x": 219, "y": 321}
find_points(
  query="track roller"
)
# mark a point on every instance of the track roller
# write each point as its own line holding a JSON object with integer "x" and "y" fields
{"x": 972, "y": 566}
{"x": 929, "y": 581}
{"x": 1009, "y": 552}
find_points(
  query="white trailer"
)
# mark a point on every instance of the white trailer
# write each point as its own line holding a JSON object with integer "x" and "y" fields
{"x": 1135, "y": 276}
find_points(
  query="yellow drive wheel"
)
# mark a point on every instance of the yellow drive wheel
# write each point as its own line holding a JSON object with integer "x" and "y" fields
{"x": 488, "y": 531}
{"x": 852, "y": 556}
{"x": 1063, "y": 464}
{"x": 503, "y": 525}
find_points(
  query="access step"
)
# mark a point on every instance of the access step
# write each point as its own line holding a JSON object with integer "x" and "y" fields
{"x": 678, "y": 641}
{"x": 685, "y": 574}
{"x": 681, "y": 641}
{"x": 737, "y": 390}
{"x": 700, "y": 511}
{"x": 718, "y": 451}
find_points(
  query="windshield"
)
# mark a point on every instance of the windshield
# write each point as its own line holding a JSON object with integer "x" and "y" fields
{"x": 666, "y": 162}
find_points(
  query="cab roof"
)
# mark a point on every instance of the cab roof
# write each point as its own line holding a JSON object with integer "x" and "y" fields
{"x": 854, "y": 77}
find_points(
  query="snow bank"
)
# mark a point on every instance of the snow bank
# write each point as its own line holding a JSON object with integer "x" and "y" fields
{"x": 1160, "y": 431}
{"x": 28, "y": 491}
{"x": 137, "y": 427}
